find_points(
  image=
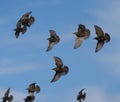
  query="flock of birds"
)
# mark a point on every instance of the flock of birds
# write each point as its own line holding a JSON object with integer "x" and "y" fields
{"x": 82, "y": 33}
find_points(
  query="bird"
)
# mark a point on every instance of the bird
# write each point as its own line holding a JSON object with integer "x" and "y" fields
{"x": 53, "y": 39}
{"x": 81, "y": 95}
{"x": 81, "y": 34}
{"x": 6, "y": 96}
{"x": 60, "y": 69}
{"x": 29, "y": 99}
{"x": 101, "y": 37}
{"x": 24, "y": 22}
{"x": 33, "y": 88}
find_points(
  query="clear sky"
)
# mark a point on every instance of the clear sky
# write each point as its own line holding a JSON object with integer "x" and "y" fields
{"x": 25, "y": 60}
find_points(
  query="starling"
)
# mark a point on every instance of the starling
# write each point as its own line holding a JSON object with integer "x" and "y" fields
{"x": 24, "y": 22}
{"x": 29, "y": 99}
{"x": 33, "y": 88}
{"x": 60, "y": 69}
{"x": 81, "y": 34}
{"x": 81, "y": 95}
{"x": 53, "y": 39}
{"x": 7, "y": 97}
{"x": 101, "y": 37}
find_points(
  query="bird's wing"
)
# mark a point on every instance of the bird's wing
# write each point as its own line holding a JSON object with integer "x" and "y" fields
{"x": 26, "y": 14}
{"x": 52, "y": 33}
{"x": 17, "y": 34}
{"x": 98, "y": 31}
{"x": 56, "y": 77}
{"x": 81, "y": 28}
{"x": 78, "y": 42}
{"x": 50, "y": 46}
{"x": 99, "y": 45}
{"x": 58, "y": 61}
{"x": 7, "y": 93}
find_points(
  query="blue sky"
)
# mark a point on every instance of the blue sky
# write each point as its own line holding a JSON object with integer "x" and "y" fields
{"x": 25, "y": 60}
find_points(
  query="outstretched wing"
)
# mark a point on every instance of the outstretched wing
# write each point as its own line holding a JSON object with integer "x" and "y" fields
{"x": 78, "y": 42}
{"x": 50, "y": 46}
{"x": 99, "y": 45}
{"x": 56, "y": 77}
{"x": 98, "y": 31}
{"x": 81, "y": 28}
{"x": 58, "y": 61}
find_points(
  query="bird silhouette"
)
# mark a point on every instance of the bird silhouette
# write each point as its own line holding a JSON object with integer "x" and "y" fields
{"x": 53, "y": 39}
{"x": 81, "y": 34}
{"x": 81, "y": 96}
{"x": 60, "y": 69}
{"x": 101, "y": 37}
{"x": 29, "y": 99}
{"x": 33, "y": 88}
{"x": 6, "y": 96}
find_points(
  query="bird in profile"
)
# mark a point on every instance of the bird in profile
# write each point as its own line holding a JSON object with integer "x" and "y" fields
{"x": 81, "y": 96}
{"x": 29, "y": 99}
{"x": 81, "y": 34}
{"x": 53, "y": 39}
{"x": 60, "y": 69}
{"x": 101, "y": 37}
{"x": 33, "y": 88}
{"x": 6, "y": 96}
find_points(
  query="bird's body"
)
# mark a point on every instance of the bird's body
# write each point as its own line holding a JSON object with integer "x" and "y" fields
{"x": 60, "y": 69}
{"x": 101, "y": 38}
{"x": 81, "y": 96}
{"x": 33, "y": 88}
{"x": 53, "y": 39}
{"x": 81, "y": 34}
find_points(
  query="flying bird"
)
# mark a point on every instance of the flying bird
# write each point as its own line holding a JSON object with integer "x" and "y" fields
{"x": 81, "y": 96}
{"x": 6, "y": 96}
{"x": 24, "y": 22}
{"x": 33, "y": 88}
{"x": 60, "y": 69}
{"x": 53, "y": 39}
{"x": 82, "y": 34}
{"x": 101, "y": 37}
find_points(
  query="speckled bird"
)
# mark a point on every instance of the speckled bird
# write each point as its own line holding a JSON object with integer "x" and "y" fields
{"x": 33, "y": 88}
{"x": 60, "y": 69}
{"x": 53, "y": 39}
{"x": 81, "y": 34}
{"x": 81, "y": 96}
{"x": 101, "y": 37}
